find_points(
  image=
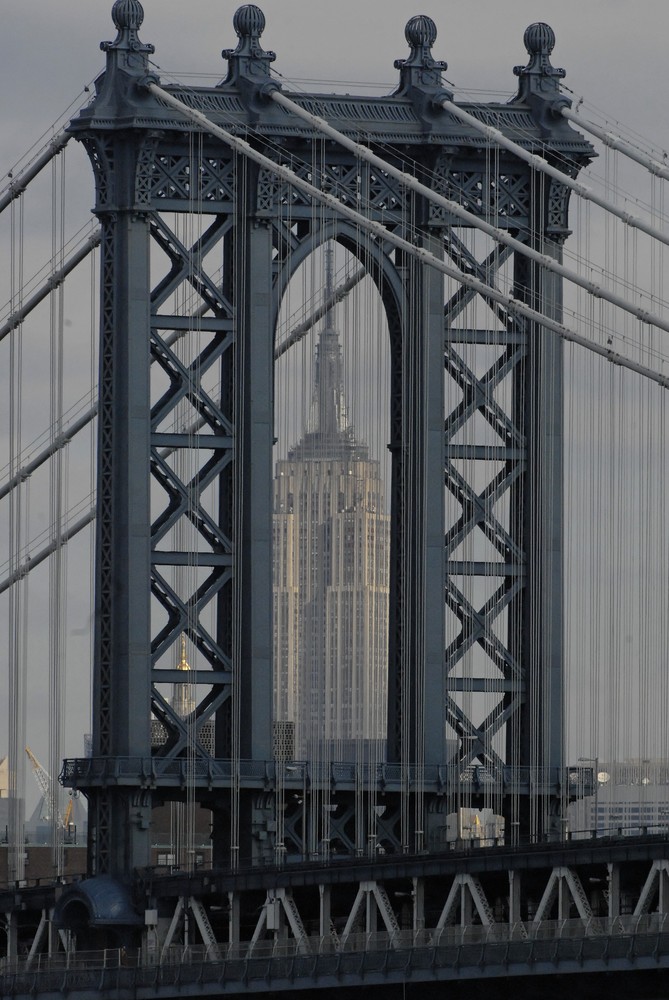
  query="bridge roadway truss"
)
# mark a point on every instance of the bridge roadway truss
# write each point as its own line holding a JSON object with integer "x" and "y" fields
{"x": 184, "y": 521}
{"x": 575, "y": 910}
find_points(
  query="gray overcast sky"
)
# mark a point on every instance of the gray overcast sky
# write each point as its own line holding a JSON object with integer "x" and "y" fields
{"x": 614, "y": 52}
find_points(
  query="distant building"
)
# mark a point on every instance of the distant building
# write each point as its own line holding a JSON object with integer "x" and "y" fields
{"x": 181, "y": 834}
{"x": 631, "y": 797}
{"x": 38, "y": 861}
{"x": 480, "y": 826}
{"x": 183, "y": 703}
{"x": 331, "y": 576}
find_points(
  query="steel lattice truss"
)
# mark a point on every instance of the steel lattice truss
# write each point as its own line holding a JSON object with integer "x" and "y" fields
{"x": 478, "y": 506}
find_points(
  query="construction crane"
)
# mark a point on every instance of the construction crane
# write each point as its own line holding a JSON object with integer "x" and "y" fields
{"x": 43, "y": 779}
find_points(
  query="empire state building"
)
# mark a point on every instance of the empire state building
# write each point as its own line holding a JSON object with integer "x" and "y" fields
{"x": 331, "y": 572}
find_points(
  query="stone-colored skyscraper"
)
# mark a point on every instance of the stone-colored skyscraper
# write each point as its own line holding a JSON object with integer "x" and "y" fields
{"x": 331, "y": 570}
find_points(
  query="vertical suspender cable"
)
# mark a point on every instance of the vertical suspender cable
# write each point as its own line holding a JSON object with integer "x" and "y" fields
{"x": 242, "y": 334}
{"x": 57, "y": 575}
{"x": 18, "y": 592}
{"x": 92, "y": 443}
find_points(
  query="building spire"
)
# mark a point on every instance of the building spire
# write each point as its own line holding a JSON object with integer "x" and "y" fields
{"x": 182, "y": 701}
{"x": 329, "y": 403}
{"x": 329, "y": 417}
{"x": 329, "y": 433}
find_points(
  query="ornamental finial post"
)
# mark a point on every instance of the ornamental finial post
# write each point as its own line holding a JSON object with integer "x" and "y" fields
{"x": 539, "y": 39}
{"x": 540, "y": 81}
{"x": 249, "y": 63}
{"x": 420, "y": 69}
{"x": 127, "y": 65}
{"x": 420, "y": 74}
{"x": 128, "y": 17}
{"x": 249, "y": 59}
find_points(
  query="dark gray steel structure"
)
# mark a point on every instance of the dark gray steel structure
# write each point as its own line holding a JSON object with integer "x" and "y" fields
{"x": 255, "y": 231}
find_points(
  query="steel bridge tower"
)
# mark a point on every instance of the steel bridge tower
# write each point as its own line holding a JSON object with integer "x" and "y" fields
{"x": 188, "y": 498}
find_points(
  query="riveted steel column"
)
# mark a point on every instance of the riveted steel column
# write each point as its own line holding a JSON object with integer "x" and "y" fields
{"x": 247, "y": 508}
{"x": 535, "y": 739}
{"x": 256, "y": 433}
{"x": 123, "y": 583}
{"x": 416, "y": 681}
{"x": 429, "y": 409}
{"x": 120, "y": 146}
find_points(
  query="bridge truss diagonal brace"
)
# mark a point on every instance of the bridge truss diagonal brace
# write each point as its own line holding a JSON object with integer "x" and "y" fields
{"x": 39, "y": 937}
{"x": 173, "y": 927}
{"x": 478, "y": 394}
{"x": 186, "y": 266}
{"x": 205, "y": 929}
{"x": 176, "y": 725}
{"x": 203, "y": 924}
{"x": 181, "y": 612}
{"x": 480, "y": 510}
{"x": 656, "y": 885}
{"x": 373, "y": 899}
{"x": 188, "y": 383}
{"x": 564, "y": 885}
{"x": 278, "y": 908}
{"x": 465, "y": 890}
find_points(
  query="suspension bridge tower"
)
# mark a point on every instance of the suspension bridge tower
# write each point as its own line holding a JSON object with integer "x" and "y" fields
{"x": 200, "y": 239}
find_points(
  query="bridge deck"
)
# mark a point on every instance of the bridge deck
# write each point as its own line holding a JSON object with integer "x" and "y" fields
{"x": 523, "y": 952}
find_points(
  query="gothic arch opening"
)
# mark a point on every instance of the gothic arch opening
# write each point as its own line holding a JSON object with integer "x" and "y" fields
{"x": 331, "y": 513}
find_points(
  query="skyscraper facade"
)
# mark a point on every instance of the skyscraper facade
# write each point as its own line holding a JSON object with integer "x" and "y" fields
{"x": 331, "y": 574}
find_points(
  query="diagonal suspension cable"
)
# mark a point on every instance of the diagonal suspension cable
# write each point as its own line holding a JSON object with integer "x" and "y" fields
{"x": 539, "y": 163}
{"x": 31, "y": 562}
{"x": 616, "y": 142}
{"x": 300, "y": 331}
{"x": 52, "y": 282}
{"x": 18, "y": 184}
{"x": 296, "y": 334}
{"x": 500, "y": 235}
{"x": 418, "y": 253}
{"x": 56, "y": 445}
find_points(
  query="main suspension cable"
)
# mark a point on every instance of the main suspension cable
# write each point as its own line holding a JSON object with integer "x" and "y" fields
{"x": 539, "y": 163}
{"x": 618, "y": 143}
{"x": 18, "y": 184}
{"x": 500, "y": 235}
{"x": 52, "y": 282}
{"x": 419, "y": 253}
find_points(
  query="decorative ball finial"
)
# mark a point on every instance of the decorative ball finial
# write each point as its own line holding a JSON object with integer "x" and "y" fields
{"x": 539, "y": 39}
{"x": 128, "y": 17}
{"x": 249, "y": 21}
{"x": 249, "y": 61}
{"x": 128, "y": 14}
{"x": 420, "y": 74}
{"x": 539, "y": 80}
{"x": 421, "y": 30}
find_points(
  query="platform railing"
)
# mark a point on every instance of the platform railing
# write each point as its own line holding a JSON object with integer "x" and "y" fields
{"x": 628, "y": 929}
